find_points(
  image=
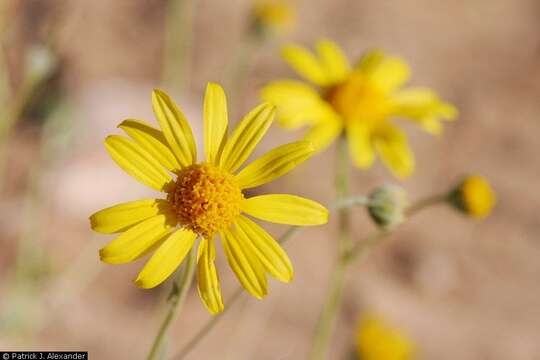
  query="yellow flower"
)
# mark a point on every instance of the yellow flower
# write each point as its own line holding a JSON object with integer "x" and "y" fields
{"x": 276, "y": 16}
{"x": 360, "y": 100}
{"x": 474, "y": 196}
{"x": 203, "y": 199}
{"x": 375, "y": 340}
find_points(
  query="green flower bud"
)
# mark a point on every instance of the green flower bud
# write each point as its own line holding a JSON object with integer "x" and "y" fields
{"x": 387, "y": 206}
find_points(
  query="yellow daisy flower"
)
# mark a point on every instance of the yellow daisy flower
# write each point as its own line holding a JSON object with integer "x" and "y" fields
{"x": 360, "y": 100}
{"x": 375, "y": 340}
{"x": 203, "y": 199}
{"x": 474, "y": 196}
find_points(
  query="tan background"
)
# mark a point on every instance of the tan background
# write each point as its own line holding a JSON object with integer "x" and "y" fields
{"x": 461, "y": 289}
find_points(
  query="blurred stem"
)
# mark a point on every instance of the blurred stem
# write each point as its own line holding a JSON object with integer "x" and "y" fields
{"x": 426, "y": 202}
{"x": 31, "y": 264}
{"x": 176, "y": 298}
{"x": 178, "y": 44}
{"x": 13, "y": 114}
{"x": 361, "y": 248}
{"x": 240, "y": 67}
{"x": 359, "y": 251}
{"x": 191, "y": 344}
{"x": 350, "y": 201}
{"x": 327, "y": 317}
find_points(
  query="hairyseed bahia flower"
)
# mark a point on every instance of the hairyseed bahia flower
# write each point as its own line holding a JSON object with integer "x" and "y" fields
{"x": 204, "y": 200}
{"x": 361, "y": 100}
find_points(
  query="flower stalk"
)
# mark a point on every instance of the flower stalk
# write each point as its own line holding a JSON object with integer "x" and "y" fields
{"x": 176, "y": 299}
{"x": 190, "y": 345}
{"x": 358, "y": 251}
{"x": 327, "y": 318}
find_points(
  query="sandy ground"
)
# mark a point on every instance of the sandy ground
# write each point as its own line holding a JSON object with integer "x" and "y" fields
{"x": 462, "y": 289}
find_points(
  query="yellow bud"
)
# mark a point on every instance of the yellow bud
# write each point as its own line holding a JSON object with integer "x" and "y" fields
{"x": 376, "y": 340}
{"x": 474, "y": 197}
{"x": 272, "y": 17}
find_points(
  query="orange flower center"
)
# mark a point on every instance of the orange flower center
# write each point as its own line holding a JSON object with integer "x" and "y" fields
{"x": 206, "y": 199}
{"x": 358, "y": 99}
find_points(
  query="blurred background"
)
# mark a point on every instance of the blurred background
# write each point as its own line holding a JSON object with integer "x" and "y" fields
{"x": 70, "y": 71}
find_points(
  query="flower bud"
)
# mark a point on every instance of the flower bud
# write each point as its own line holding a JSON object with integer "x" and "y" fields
{"x": 387, "y": 205}
{"x": 272, "y": 17}
{"x": 377, "y": 340}
{"x": 473, "y": 196}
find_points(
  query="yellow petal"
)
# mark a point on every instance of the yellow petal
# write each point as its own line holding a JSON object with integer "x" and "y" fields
{"x": 271, "y": 255}
{"x": 335, "y": 63}
{"x": 152, "y": 141}
{"x": 215, "y": 122}
{"x": 390, "y": 74}
{"x": 175, "y": 128}
{"x": 392, "y": 145}
{"x": 137, "y": 162}
{"x": 244, "y": 263}
{"x": 297, "y": 103}
{"x": 246, "y": 136}
{"x": 305, "y": 64}
{"x": 135, "y": 241}
{"x": 119, "y": 217}
{"x": 424, "y": 107}
{"x": 286, "y": 209}
{"x": 360, "y": 145}
{"x": 208, "y": 281}
{"x": 166, "y": 259}
{"x": 274, "y": 164}
{"x": 324, "y": 133}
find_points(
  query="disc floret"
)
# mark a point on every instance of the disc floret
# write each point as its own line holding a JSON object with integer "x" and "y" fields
{"x": 206, "y": 199}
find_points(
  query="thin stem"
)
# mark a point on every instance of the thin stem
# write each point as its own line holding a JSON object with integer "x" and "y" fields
{"x": 361, "y": 247}
{"x": 178, "y": 43}
{"x": 191, "y": 344}
{"x": 425, "y": 203}
{"x": 327, "y": 318}
{"x": 239, "y": 69}
{"x": 177, "y": 297}
{"x": 350, "y": 201}
{"x": 359, "y": 251}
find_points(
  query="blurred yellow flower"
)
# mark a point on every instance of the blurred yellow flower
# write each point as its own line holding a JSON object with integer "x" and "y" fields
{"x": 375, "y": 340}
{"x": 359, "y": 100}
{"x": 276, "y": 16}
{"x": 203, "y": 199}
{"x": 474, "y": 196}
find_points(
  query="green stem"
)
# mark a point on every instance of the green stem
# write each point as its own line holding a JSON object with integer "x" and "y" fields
{"x": 359, "y": 251}
{"x": 177, "y": 297}
{"x": 191, "y": 344}
{"x": 327, "y": 318}
{"x": 178, "y": 43}
{"x": 239, "y": 69}
{"x": 426, "y": 202}
{"x": 361, "y": 247}
{"x": 350, "y": 201}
